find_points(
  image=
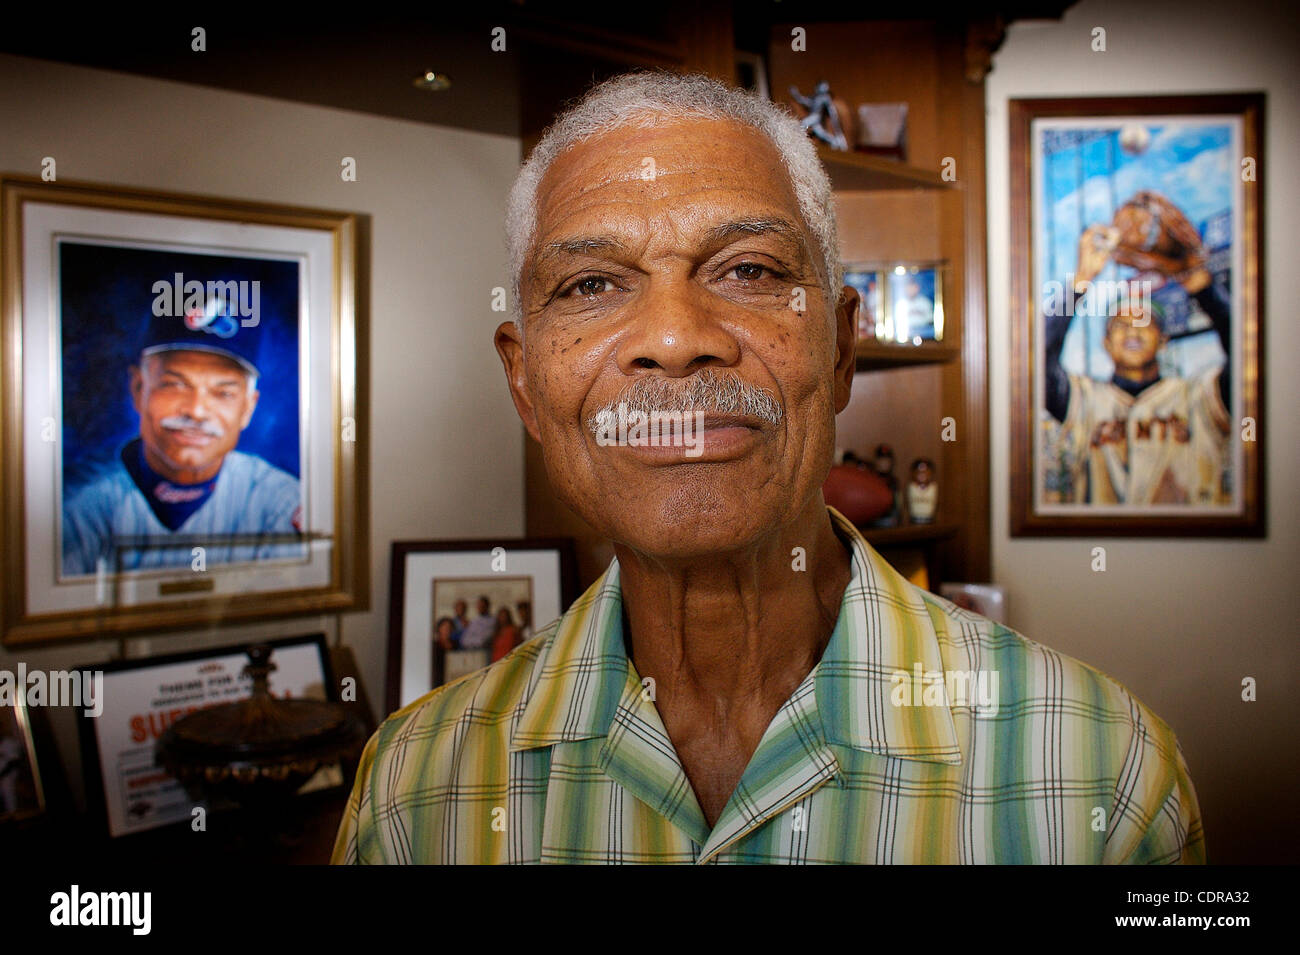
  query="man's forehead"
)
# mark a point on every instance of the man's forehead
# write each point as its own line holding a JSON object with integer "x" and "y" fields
{"x": 187, "y": 361}
{"x": 700, "y": 172}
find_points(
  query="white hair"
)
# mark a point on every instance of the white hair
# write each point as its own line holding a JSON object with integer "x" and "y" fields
{"x": 640, "y": 99}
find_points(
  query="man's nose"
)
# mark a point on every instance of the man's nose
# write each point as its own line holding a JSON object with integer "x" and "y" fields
{"x": 196, "y": 404}
{"x": 678, "y": 328}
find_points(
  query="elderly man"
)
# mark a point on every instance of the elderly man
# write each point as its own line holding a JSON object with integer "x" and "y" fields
{"x": 181, "y": 483}
{"x": 748, "y": 681}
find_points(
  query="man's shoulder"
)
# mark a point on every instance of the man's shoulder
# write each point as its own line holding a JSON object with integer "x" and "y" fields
{"x": 1058, "y": 718}
{"x": 1034, "y": 679}
{"x": 108, "y": 487}
{"x": 255, "y": 469}
{"x": 485, "y": 701}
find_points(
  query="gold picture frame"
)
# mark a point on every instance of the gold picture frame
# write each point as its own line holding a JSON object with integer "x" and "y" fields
{"x": 84, "y": 273}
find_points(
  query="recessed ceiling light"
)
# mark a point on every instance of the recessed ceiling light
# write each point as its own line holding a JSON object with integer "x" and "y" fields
{"x": 433, "y": 82}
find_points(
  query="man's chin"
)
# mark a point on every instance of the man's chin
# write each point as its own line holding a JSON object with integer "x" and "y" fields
{"x": 672, "y": 534}
{"x": 188, "y": 460}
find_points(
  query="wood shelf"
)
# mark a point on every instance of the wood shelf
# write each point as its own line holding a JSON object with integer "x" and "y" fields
{"x": 906, "y": 534}
{"x": 873, "y": 356}
{"x": 860, "y": 172}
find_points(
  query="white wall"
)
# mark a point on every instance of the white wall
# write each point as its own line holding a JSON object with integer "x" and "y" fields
{"x": 1180, "y": 622}
{"x": 446, "y": 444}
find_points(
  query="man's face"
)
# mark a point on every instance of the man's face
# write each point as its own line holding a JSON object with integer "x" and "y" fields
{"x": 482, "y": 606}
{"x": 660, "y": 253}
{"x": 1132, "y": 346}
{"x": 192, "y": 406}
{"x": 460, "y": 607}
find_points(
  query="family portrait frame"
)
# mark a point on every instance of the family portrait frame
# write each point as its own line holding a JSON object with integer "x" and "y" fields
{"x": 184, "y": 381}
{"x": 429, "y": 577}
{"x": 1137, "y": 294}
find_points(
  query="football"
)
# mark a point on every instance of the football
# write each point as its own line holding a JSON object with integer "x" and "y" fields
{"x": 857, "y": 493}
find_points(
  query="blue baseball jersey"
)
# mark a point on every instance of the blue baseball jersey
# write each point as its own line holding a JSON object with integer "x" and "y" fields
{"x": 250, "y": 498}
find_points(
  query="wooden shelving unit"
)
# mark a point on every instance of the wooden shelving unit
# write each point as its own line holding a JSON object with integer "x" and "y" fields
{"x": 859, "y": 172}
{"x": 891, "y": 211}
{"x": 873, "y": 356}
{"x": 907, "y": 534}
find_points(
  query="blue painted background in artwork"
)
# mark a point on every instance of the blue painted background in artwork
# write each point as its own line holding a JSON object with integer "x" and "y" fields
{"x": 106, "y": 299}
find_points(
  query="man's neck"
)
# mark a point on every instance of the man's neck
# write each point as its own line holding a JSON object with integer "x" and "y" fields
{"x": 179, "y": 475}
{"x": 1134, "y": 380}
{"x": 727, "y": 640}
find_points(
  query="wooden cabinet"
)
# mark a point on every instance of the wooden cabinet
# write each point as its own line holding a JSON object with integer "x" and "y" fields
{"x": 886, "y": 211}
{"x": 889, "y": 211}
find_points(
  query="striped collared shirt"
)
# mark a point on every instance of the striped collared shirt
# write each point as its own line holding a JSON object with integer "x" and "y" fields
{"x": 925, "y": 734}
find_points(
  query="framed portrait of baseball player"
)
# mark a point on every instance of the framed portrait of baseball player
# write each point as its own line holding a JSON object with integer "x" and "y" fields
{"x": 181, "y": 382}
{"x": 1137, "y": 374}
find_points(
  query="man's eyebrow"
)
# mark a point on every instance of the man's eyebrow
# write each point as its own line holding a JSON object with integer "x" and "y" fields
{"x": 235, "y": 378}
{"x": 718, "y": 235}
{"x": 760, "y": 225}
{"x": 579, "y": 245}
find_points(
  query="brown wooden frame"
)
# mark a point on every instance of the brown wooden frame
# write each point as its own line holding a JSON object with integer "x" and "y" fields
{"x": 348, "y": 588}
{"x": 1025, "y": 521}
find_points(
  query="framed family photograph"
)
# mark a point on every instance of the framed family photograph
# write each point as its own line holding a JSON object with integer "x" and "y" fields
{"x": 181, "y": 383}
{"x": 125, "y": 788}
{"x": 901, "y": 303}
{"x": 1136, "y": 292}
{"x": 458, "y": 606}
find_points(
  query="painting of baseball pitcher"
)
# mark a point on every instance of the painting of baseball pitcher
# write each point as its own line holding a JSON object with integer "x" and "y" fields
{"x": 1137, "y": 288}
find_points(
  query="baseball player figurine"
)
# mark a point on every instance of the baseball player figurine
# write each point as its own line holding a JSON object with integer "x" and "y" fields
{"x": 823, "y": 119}
{"x": 1141, "y": 438}
{"x": 181, "y": 482}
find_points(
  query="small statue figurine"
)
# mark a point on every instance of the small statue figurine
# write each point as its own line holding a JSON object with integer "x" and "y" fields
{"x": 922, "y": 492}
{"x": 821, "y": 114}
{"x": 884, "y": 466}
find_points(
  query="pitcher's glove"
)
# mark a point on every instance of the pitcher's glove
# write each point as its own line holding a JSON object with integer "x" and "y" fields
{"x": 1155, "y": 236}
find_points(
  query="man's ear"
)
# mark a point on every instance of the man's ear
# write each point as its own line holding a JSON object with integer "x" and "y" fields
{"x": 846, "y": 345}
{"x": 137, "y": 389}
{"x": 510, "y": 347}
{"x": 252, "y": 406}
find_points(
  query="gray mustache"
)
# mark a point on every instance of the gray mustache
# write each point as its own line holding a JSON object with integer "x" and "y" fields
{"x": 705, "y": 391}
{"x": 185, "y": 422}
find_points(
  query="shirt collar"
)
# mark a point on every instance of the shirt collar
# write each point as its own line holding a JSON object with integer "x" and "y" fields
{"x": 884, "y": 628}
